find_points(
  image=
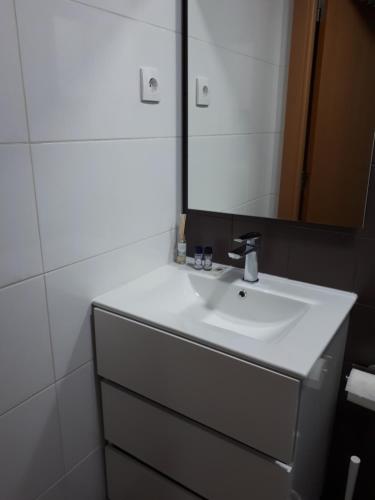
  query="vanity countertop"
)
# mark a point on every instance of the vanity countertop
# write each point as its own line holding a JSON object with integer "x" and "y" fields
{"x": 278, "y": 323}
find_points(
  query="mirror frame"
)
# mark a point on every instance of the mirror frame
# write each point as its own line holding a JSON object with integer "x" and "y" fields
{"x": 185, "y": 104}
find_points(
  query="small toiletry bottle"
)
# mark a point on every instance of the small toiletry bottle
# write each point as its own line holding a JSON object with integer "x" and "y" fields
{"x": 181, "y": 252}
{"x": 207, "y": 259}
{"x": 198, "y": 258}
{"x": 181, "y": 242}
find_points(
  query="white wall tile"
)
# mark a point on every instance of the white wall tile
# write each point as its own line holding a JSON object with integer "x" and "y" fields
{"x": 12, "y": 107}
{"x": 25, "y": 358}
{"x": 71, "y": 290}
{"x": 282, "y": 90}
{"x": 266, "y": 206}
{"x": 81, "y": 70}
{"x": 30, "y": 452}
{"x": 257, "y": 28}
{"x": 164, "y": 13}
{"x": 78, "y": 409}
{"x": 244, "y": 92}
{"x": 97, "y": 196}
{"x": 86, "y": 481}
{"x": 20, "y": 255}
{"x": 239, "y": 167}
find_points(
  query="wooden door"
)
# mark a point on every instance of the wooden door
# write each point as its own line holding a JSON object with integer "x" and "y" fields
{"x": 297, "y": 106}
{"x": 342, "y": 127}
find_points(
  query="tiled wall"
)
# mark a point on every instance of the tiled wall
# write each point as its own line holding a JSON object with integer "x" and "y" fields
{"x": 235, "y": 142}
{"x": 89, "y": 190}
{"x": 333, "y": 257}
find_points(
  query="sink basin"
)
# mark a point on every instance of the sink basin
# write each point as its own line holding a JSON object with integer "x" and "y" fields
{"x": 277, "y": 322}
{"x": 243, "y": 310}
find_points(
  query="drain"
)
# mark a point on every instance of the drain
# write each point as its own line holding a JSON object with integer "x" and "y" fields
{"x": 242, "y": 294}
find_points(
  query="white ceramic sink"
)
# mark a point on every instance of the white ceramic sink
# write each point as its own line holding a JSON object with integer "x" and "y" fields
{"x": 277, "y": 322}
{"x": 246, "y": 310}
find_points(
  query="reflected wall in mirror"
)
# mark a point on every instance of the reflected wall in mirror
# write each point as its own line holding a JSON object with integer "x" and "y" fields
{"x": 281, "y": 108}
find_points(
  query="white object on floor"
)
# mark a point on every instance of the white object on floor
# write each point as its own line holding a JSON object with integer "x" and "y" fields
{"x": 361, "y": 389}
{"x": 354, "y": 464}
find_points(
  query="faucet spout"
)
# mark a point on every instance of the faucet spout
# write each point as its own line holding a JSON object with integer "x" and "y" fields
{"x": 241, "y": 252}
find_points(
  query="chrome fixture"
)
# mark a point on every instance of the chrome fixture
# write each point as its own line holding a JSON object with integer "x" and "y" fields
{"x": 248, "y": 251}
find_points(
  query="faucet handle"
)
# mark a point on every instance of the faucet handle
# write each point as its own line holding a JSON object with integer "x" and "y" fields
{"x": 248, "y": 236}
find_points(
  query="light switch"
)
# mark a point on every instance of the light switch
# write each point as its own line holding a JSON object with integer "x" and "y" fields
{"x": 150, "y": 85}
{"x": 203, "y": 91}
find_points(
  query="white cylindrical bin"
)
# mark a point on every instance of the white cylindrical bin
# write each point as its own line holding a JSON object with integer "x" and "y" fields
{"x": 352, "y": 477}
{"x": 361, "y": 388}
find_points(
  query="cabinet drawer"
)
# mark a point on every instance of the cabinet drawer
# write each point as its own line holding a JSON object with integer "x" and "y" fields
{"x": 205, "y": 462}
{"x": 249, "y": 403}
{"x": 129, "y": 479}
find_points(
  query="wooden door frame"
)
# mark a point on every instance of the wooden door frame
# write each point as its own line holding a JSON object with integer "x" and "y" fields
{"x": 297, "y": 106}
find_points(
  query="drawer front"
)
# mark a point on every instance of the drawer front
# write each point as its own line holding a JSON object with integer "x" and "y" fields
{"x": 203, "y": 461}
{"x": 246, "y": 402}
{"x": 129, "y": 479}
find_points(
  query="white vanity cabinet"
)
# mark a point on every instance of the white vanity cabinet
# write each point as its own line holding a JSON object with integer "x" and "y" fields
{"x": 183, "y": 420}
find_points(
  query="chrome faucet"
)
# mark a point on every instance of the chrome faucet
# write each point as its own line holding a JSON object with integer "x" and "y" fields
{"x": 249, "y": 251}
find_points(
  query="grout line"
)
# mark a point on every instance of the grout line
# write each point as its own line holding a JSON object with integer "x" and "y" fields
{"x": 232, "y": 51}
{"x": 234, "y": 134}
{"x": 108, "y": 11}
{"x": 28, "y": 132}
{"x": 116, "y": 139}
{"x": 84, "y": 459}
{"x": 43, "y": 389}
{"x": 231, "y": 209}
{"x": 288, "y": 258}
{"x": 368, "y": 183}
{"x": 257, "y": 198}
{"x": 50, "y": 329}
{"x": 61, "y": 479}
{"x": 37, "y": 209}
{"x": 74, "y": 370}
{"x": 14, "y": 283}
{"x": 360, "y": 237}
{"x": 356, "y": 288}
{"x": 45, "y": 273}
{"x": 54, "y": 374}
{"x": 21, "y": 70}
{"x": 308, "y": 226}
{"x": 33, "y": 395}
{"x": 62, "y": 448}
{"x": 366, "y": 306}
{"x": 49, "y": 489}
{"x": 13, "y": 143}
{"x": 115, "y": 249}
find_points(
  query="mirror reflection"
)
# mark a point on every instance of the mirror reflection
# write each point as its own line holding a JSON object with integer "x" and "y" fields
{"x": 281, "y": 108}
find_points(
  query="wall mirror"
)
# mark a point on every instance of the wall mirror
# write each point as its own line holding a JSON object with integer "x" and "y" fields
{"x": 280, "y": 108}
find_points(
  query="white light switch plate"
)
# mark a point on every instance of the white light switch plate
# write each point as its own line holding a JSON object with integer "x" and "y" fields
{"x": 150, "y": 85}
{"x": 203, "y": 91}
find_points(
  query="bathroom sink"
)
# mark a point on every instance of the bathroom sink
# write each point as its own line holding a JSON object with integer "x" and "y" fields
{"x": 281, "y": 323}
{"x": 242, "y": 309}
